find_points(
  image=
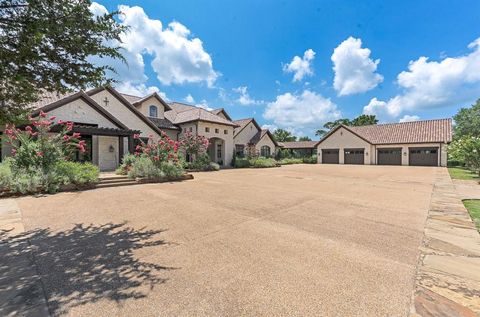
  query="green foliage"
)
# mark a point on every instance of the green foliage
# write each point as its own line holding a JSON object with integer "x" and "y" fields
{"x": 48, "y": 45}
{"x": 143, "y": 167}
{"x": 242, "y": 162}
{"x": 288, "y": 161}
{"x": 172, "y": 171}
{"x": 281, "y": 135}
{"x": 127, "y": 162}
{"x": 364, "y": 119}
{"x": 263, "y": 162}
{"x": 320, "y": 132}
{"x": 310, "y": 159}
{"x": 6, "y": 175}
{"x": 467, "y": 121}
{"x": 467, "y": 151}
{"x": 462, "y": 173}
{"x": 304, "y": 138}
{"x": 77, "y": 173}
{"x": 333, "y": 124}
{"x": 283, "y": 153}
{"x": 213, "y": 167}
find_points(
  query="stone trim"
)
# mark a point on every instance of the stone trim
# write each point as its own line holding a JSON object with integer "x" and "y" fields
{"x": 448, "y": 275}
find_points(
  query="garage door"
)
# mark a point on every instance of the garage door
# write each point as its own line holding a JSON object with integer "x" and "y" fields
{"x": 390, "y": 156}
{"x": 330, "y": 156}
{"x": 354, "y": 156}
{"x": 423, "y": 156}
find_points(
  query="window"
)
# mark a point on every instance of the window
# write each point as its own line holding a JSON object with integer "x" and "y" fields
{"x": 153, "y": 110}
{"x": 239, "y": 150}
{"x": 219, "y": 151}
{"x": 207, "y": 129}
{"x": 265, "y": 151}
{"x": 190, "y": 129}
{"x": 217, "y": 131}
{"x": 225, "y": 131}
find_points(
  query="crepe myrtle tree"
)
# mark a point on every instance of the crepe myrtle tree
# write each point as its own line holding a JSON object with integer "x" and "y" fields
{"x": 36, "y": 147}
{"x": 467, "y": 151}
{"x": 165, "y": 150}
{"x": 195, "y": 146}
{"x": 47, "y": 45}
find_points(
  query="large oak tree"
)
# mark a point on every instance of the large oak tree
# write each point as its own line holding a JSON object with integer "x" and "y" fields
{"x": 45, "y": 45}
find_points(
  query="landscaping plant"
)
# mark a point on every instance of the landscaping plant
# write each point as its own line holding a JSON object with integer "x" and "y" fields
{"x": 39, "y": 156}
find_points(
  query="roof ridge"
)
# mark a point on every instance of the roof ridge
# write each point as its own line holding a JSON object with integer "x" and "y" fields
{"x": 395, "y": 123}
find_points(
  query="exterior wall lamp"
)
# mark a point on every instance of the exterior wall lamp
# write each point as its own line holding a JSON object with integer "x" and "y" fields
{"x": 111, "y": 149}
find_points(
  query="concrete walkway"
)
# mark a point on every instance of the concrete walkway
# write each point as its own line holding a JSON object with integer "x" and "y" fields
{"x": 21, "y": 291}
{"x": 448, "y": 276}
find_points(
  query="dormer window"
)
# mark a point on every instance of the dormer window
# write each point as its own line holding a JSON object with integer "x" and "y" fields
{"x": 153, "y": 110}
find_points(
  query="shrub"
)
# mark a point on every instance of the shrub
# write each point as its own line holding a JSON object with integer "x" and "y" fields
{"x": 262, "y": 162}
{"x": 143, "y": 167}
{"x": 171, "y": 171}
{"x": 5, "y": 174}
{"x": 127, "y": 162}
{"x": 288, "y": 161}
{"x": 77, "y": 173}
{"x": 242, "y": 162}
{"x": 310, "y": 159}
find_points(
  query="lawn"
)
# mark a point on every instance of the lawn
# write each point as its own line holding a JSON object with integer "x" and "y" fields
{"x": 462, "y": 173}
{"x": 473, "y": 207}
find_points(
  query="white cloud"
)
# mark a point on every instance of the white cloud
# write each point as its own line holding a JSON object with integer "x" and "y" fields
{"x": 298, "y": 112}
{"x": 204, "y": 105}
{"x": 409, "y": 118}
{"x": 139, "y": 90}
{"x": 270, "y": 127}
{"x": 301, "y": 67}
{"x": 189, "y": 99}
{"x": 431, "y": 84}
{"x": 177, "y": 57}
{"x": 355, "y": 71}
{"x": 244, "y": 98}
{"x": 97, "y": 9}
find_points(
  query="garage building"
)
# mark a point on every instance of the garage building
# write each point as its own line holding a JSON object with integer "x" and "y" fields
{"x": 418, "y": 143}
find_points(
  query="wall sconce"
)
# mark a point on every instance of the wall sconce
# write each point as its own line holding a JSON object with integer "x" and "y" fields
{"x": 366, "y": 153}
{"x": 111, "y": 148}
{"x": 404, "y": 153}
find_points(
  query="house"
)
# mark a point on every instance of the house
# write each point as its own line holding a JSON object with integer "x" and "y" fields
{"x": 418, "y": 143}
{"x": 108, "y": 119}
{"x": 300, "y": 148}
{"x": 248, "y": 136}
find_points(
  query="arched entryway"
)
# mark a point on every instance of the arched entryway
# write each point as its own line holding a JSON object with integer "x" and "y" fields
{"x": 216, "y": 150}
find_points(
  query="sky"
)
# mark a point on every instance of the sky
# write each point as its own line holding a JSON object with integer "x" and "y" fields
{"x": 298, "y": 64}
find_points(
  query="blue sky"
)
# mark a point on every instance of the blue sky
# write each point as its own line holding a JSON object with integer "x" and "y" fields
{"x": 400, "y": 60}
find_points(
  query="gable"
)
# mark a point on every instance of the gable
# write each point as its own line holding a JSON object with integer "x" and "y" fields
{"x": 144, "y": 107}
{"x": 342, "y": 137}
{"x": 246, "y": 134}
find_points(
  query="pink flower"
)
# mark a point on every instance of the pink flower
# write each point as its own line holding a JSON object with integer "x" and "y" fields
{"x": 61, "y": 122}
{"x": 136, "y": 136}
{"x": 75, "y": 135}
{"x": 52, "y": 118}
{"x": 40, "y": 153}
{"x": 66, "y": 137}
{"x": 43, "y": 114}
{"x": 14, "y": 152}
{"x": 81, "y": 149}
{"x": 156, "y": 158}
{"x": 28, "y": 128}
{"x": 138, "y": 147}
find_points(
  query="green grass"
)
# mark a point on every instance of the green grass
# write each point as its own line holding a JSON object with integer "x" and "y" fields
{"x": 462, "y": 173}
{"x": 473, "y": 207}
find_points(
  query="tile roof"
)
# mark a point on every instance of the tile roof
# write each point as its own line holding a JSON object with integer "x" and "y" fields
{"x": 407, "y": 132}
{"x": 299, "y": 144}
{"x": 163, "y": 123}
{"x": 182, "y": 113}
{"x": 241, "y": 124}
{"x": 260, "y": 134}
{"x": 131, "y": 98}
{"x": 49, "y": 97}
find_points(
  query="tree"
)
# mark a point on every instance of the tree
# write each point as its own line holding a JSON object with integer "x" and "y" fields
{"x": 364, "y": 119}
{"x": 467, "y": 121}
{"x": 466, "y": 150}
{"x": 304, "y": 138}
{"x": 282, "y": 135}
{"x": 320, "y": 132}
{"x": 46, "y": 45}
{"x": 333, "y": 124}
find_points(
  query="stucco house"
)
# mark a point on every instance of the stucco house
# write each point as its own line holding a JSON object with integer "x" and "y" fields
{"x": 418, "y": 143}
{"x": 108, "y": 119}
{"x": 249, "y": 136}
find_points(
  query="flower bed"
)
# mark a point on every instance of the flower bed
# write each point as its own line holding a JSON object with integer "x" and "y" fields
{"x": 259, "y": 162}
{"x": 40, "y": 159}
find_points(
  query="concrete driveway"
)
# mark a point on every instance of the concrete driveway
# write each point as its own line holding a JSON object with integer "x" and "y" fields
{"x": 302, "y": 240}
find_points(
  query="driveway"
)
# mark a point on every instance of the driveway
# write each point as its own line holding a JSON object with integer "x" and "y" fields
{"x": 300, "y": 240}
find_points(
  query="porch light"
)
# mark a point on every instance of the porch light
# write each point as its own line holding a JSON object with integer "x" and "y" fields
{"x": 111, "y": 148}
{"x": 366, "y": 153}
{"x": 404, "y": 153}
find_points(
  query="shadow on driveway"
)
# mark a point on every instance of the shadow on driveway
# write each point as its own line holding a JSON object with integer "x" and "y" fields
{"x": 84, "y": 264}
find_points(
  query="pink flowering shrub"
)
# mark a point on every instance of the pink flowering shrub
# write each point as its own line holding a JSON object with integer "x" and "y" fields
{"x": 155, "y": 159}
{"x": 36, "y": 148}
{"x": 194, "y": 145}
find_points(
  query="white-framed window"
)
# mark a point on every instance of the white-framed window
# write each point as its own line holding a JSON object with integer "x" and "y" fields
{"x": 153, "y": 111}
{"x": 265, "y": 151}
